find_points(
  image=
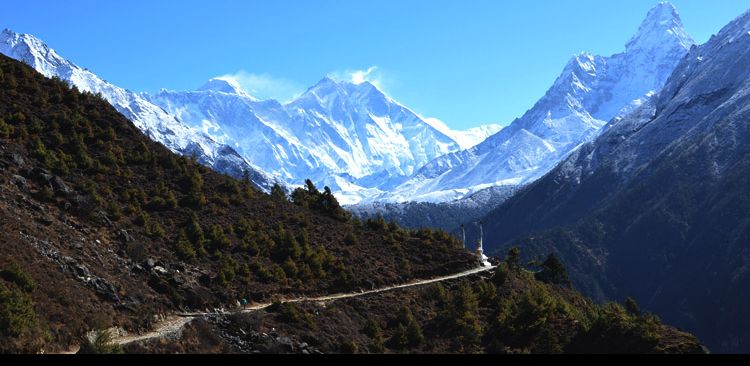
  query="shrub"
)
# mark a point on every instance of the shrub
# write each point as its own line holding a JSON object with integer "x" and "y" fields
{"x": 184, "y": 248}
{"x": 218, "y": 239}
{"x": 399, "y": 339}
{"x": 17, "y": 315}
{"x": 156, "y": 230}
{"x": 14, "y": 273}
{"x": 115, "y": 211}
{"x": 142, "y": 219}
{"x": 289, "y": 312}
{"x": 348, "y": 347}
{"x": 6, "y": 130}
{"x": 263, "y": 274}
{"x": 195, "y": 232}
{"x": 194, "y": 185}
{"x": 45, "y": 193}
{"x": 350, "y": 239}
{"x": 99, "y": 342}
{"x": 372, "y": 329}
{"x": 412, "y": 330}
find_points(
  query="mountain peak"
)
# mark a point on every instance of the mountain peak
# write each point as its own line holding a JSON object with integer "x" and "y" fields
{"x": 8, "y": 35}
{"x": 34, "y": 52}
{"x": 326, "y": 80}
{"x": 28, "y": 39}
{"x": 661, "y": 25}
{"x": 663, "y": 11}
{"x": 223, "y": 85}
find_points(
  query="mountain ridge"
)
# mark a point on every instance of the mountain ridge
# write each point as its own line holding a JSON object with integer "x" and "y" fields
{"x": 353, "y": 131}
{"x": 663, "y": 189}
{"x": 153, "y": 120}
{"x": 589, "y": 92}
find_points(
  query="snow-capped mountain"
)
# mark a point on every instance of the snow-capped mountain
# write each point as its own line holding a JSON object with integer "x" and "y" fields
{"x": 366, "y": 146}
{"x": 468, "y": 138}
{"x": 149, "y": 118}
{"x": 349, "y": 136}
{"x": 591, "y": 91}
{"x": 657, "y": 206}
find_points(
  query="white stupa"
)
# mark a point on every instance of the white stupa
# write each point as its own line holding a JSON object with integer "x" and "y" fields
{"x": 483, "y": 260}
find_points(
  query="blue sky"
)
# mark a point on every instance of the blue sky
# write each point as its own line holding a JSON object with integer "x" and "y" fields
{"x": 466, "y": 62}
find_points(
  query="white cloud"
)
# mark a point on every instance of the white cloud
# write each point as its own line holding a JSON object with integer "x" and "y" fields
{"x": 360, "y": 76}
{"x": 265, "y": 86}
{"x": 372, "y": 74}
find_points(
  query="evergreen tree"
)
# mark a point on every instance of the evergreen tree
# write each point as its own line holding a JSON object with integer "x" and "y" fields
{"x": 278, "y": 193}
{"x": 632, "y": 307}
{"x": 553, "y": 272}
{"x": 513, "y": 259}
{"x": 412, "y": 330}
{"x": 196, "y": 197}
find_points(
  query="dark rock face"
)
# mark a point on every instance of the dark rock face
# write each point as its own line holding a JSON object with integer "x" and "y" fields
{"x": 67, "y": 264}
{"x": 59, "y": 186}
{"x": 657, "y": 207}
{"x": 254, "y": 342}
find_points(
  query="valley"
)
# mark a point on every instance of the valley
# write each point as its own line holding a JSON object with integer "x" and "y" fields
{"x": 612, "y": 216}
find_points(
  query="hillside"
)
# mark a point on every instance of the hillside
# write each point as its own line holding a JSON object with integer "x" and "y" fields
{"x": 509, "y": 311}
{"x": 104, "y": 227}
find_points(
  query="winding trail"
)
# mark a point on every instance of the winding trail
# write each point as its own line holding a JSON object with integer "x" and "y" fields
{"x": 173, "y": 324}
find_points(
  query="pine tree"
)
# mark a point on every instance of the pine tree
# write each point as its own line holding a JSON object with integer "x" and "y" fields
{"x": 196, "y": 197}
{"x": 278, "y": 193}
{"x": 412, "y": 330}
{"x": 632, "y": 307}
{"x": 553, "y": 272}
{"x": 513, "y": 259}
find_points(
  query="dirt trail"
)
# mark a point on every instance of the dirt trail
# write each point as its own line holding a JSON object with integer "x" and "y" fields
{"x": 170, "y": 327}
{"x": 173, "y": 324}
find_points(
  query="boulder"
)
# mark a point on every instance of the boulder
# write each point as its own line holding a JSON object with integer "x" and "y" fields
{"x": 40, "y": 175}
{"x": 59, "y": 186}
{"x": 105, "y": 289}
{"x": 124, "y": 235}
{"x": 18, "y": 159}
{"x": 21, "y": 182}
